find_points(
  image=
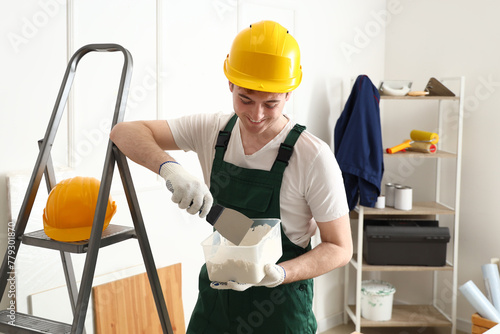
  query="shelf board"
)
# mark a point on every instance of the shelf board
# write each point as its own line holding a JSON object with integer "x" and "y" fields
{"x": 418, "y": 208}
{"x": 438, "y": 154}
{"x": 370, "y": 267}
{"x": 409, "y": 316}
{"x": 111, "y": 235}
{"x": 422, "y": 98}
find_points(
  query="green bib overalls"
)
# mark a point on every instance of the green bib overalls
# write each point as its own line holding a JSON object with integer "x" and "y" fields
{"x": 285, "y": 309}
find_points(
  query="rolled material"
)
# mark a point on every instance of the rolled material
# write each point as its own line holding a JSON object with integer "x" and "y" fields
{"x": 479, "y": 302}
{"x": 422, "y": 147}
{"x": 492, "y": 283}
{"x": 403, "y": 198}
{"x": 418, "y": 135}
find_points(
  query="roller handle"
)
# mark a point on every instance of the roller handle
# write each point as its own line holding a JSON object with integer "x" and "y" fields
{"x": 399, "y": 147}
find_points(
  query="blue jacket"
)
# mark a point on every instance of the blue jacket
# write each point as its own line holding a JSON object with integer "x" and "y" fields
{"x": 358, "y": 144}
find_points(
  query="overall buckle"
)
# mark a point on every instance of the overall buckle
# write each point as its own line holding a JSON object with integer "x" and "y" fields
{"x": 223, "y": 139}
{"x": 284, "y": 153}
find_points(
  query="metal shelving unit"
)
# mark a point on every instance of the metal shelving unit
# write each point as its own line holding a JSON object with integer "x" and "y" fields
{"x": 415, "y": 315}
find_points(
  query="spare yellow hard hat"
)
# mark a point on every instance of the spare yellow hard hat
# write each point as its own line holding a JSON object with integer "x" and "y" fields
{"x": 69, "y": 212}
{"x": 264, "y": 57}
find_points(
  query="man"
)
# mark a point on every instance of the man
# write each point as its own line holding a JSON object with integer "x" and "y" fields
{"x": 256, "y": 161}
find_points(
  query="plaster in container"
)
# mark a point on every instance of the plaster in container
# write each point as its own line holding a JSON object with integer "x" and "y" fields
{"x": 376, "y": 300}
{"x": 244, "y": 263}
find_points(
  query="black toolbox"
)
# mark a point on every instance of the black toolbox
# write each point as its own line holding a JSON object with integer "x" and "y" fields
{"x": 409, "y": 243}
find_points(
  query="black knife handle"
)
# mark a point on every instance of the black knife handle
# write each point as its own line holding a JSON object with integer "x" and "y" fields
{"x": 214, "y": 213}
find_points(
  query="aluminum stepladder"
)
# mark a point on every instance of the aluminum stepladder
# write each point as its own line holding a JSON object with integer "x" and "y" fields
{"x": 24, "y": 323}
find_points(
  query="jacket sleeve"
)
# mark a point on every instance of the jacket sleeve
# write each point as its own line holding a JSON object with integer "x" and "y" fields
{"x": 358, "y": 144}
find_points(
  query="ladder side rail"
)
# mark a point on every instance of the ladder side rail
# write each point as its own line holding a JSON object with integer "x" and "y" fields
{"x": 94, "y": 244}
{"x": 141, "y": 234}
{"x": 49, "y": 173}
{"x": 69, "y": 276}
{"x": 104, "y": 190}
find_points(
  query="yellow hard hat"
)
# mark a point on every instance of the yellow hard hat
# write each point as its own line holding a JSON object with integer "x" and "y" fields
{"x": 264, "y": 57}
{"x": 69, "y": 212}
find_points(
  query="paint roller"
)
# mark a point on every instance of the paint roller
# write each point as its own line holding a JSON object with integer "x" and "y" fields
{"x": 421, "y": 141}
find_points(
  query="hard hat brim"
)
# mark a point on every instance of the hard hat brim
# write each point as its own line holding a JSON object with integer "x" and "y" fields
{"x": 261, "y": 84}
{"x": 69, "y": 234}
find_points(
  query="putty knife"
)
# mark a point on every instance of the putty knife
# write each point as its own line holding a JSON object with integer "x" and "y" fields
{"x": 231, "y": 224}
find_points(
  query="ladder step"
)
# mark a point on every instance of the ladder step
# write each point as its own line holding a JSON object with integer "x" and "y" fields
{"x": 111, "y": 235}
{"x": 19, "y": 323}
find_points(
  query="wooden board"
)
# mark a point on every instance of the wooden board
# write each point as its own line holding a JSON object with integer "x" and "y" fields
{"x": 126, "y": 306}
{"x": 478, "y": 329}
{"x": 480, "y": 324}
{"x": 483, "y": 322}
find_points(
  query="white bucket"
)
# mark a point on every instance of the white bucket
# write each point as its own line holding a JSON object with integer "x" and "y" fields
{"x": 376, "y": 300}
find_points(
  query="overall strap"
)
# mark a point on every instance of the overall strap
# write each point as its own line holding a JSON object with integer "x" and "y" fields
{"x": 286, "y": 148}
{"x": 223, "y": 138}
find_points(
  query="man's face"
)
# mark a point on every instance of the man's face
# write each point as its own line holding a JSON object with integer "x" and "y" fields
{"x": 258, "y": 111}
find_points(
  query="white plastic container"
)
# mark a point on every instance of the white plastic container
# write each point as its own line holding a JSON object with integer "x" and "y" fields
{"x": 244, "y": 263}
{"x": 376, "y": 300}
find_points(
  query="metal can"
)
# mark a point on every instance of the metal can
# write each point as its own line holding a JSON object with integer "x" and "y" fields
{"x": 403, "y": 198}
{"x": 389, "y": 194}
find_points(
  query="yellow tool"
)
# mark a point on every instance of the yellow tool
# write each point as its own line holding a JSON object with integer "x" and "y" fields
{"x": 418, "y": 93}
{"x": 417, "y": 138}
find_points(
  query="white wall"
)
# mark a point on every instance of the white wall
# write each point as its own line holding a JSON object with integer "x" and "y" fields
{"x": 442, "y": 38}
{"x": 181, "y": 44}
{"x": 30, "y": 54}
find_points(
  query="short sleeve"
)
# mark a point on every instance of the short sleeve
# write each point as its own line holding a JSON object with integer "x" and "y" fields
{"x": 326, "y": 193}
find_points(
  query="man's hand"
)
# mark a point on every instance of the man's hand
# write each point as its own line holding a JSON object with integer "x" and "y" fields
{"x": 275, "y": 275}
{"x": 188, "y": 192}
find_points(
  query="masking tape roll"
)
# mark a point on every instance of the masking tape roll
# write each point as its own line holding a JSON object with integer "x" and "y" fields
{"x": 418, "y": 135}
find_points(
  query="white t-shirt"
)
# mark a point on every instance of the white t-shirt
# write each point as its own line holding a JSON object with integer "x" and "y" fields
{"x": 312, "y": 184}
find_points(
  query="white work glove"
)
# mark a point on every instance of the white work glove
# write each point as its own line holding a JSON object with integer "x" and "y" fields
{"x": 275, "y": 275}
{"x": 188, "y": 192}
